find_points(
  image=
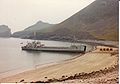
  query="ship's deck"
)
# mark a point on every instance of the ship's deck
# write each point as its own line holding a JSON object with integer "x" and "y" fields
{"x": 55, "y": 49}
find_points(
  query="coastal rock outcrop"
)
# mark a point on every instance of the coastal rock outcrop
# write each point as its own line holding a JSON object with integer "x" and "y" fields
{"x": 5, "y": 31}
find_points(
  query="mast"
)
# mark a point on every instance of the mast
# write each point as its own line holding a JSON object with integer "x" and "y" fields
{"x": 74, "y": 40}
{"x": 34, "y": 35}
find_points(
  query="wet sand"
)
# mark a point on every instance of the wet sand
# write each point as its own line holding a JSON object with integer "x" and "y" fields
{"x": 87, "y": 63}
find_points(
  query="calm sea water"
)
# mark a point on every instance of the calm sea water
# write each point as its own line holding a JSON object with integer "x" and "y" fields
{"x": 14, "y": 60}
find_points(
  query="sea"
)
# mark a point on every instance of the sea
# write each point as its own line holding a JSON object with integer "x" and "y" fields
{"x": 14, "y": 60}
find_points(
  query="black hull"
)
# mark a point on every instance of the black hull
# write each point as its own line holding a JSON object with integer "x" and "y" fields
{"x": 54, "y": 50}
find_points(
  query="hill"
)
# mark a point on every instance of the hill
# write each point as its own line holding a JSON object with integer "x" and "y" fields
{"x": 5, "y": 31}
{"x": 29, "y": 32}
{"x": 99, "y": 20}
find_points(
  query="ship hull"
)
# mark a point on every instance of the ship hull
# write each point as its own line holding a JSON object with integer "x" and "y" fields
{"x": 55, "y": 49}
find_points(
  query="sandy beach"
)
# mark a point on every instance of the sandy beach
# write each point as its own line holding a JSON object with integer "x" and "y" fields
{"x": 99, "y": 59}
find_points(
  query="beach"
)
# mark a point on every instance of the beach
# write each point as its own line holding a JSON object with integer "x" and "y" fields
{"x": 102, "y": 58}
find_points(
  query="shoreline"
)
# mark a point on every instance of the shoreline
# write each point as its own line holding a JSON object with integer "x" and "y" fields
{"x": 25, "y": 69}
{"x": 18, "y": 77}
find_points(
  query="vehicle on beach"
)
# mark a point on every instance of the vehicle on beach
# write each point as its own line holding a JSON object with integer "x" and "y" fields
{"x": 38, "y": 46}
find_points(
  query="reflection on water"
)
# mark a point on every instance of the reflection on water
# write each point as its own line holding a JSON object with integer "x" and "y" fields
{"x": 13, "y": 58}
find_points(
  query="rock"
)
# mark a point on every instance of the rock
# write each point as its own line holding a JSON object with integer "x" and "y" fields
{"x": 22, "y": 80}
{"x": 5, "y": 31}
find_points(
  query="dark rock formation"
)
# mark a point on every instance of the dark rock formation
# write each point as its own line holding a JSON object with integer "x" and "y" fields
{"x": 5, "y": 31}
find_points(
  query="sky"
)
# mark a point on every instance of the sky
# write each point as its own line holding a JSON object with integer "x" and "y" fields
{"x": 20, "y": 14}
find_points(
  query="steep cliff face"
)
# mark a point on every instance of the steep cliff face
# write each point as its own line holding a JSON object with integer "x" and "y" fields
{"x": 5, "y": 31}
{"x": 99, "y": 20}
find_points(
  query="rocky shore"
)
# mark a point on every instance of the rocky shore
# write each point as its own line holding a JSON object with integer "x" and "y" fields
{"x": 86, "y": 77}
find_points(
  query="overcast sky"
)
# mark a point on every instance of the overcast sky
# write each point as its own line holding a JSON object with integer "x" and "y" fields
{"x": 19, "y": 14}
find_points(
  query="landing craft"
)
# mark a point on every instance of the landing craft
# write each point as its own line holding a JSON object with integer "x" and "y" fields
{"x": 37, "y": 46}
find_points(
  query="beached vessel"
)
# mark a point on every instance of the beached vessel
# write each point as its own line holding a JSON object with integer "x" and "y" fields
{"x": 37, "y": 46}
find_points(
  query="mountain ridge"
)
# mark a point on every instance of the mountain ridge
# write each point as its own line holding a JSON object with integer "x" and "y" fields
{"x": 97, "y": 21}
{"x": 29, "y": 31}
